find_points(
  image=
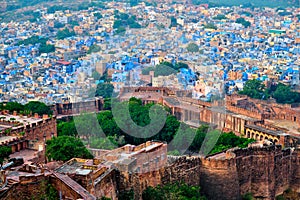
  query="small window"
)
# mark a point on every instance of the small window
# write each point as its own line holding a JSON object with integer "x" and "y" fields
{"x": 295, "y": 119}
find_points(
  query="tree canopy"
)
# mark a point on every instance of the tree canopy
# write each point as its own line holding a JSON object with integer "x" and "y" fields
{"x": 32, "y": 106}
{"x": 280, "y": 92}
{"x": 173, "y": 22}
{"x": 63, "y": 148}
{"x": 165, "y": 69}
{"x": 96, "y": 75}
{"x": 38, "y": 107}
{"x": 65, "y": 33}
{"x": 58, "y": 24}
{"x": 5, "y": 151}
{"x": 104, "y": 90}
{"x": 182, "y": 137}
{"x": 98, "y": 15}
{"x": 192, "y": 47}
{"x": 123, "y": 20}
{"x": 242, "y": 21}
{"x": 254, "y": 89}
{"x": 107, "y": 121}
{"x": 146, "y": 71}
{"x": 43, "y": 48}
{"x": 220, "y": 17}
{"x": 230, "y": 140}
{"x": 173, "y": 192}
{"x": 210, "y": 26}
{"x": 94, "y": 49}
{"x": 283, "y": 94}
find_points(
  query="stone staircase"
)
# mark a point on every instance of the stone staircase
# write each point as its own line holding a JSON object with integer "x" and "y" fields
{"x": 7, "y": 186}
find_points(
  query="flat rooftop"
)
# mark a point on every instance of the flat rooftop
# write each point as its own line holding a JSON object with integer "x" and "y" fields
{"x": 26, "y": 154}
{"x": 262, "y": 129}
{"x": 7, "y": 138}
{"x": 151, "y": 96}
{"x": 292, "y": 127}
{"x": 245, "y": 117}
{"x": 21, "y": 119}
{"x": 76, "y": 166}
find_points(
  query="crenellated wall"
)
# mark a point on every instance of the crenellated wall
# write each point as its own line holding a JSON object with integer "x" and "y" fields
{"x": 69, "y": 108}
{"x": 266, "y": 172}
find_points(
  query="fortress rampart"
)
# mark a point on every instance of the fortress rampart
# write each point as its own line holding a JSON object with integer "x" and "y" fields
{"x": 265, "y": 172}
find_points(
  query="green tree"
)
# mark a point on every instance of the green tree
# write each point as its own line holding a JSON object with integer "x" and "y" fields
{"x": 105, "y": 78}
{"x": 118, "y": 24}
{"x": 104, "y": 90}
{"x": 127, "y": 195}
{"x": 63, "y": 148}
{"x": 58, "y": 24}
{"x": 73, "y": 23}
{"x": 192, "y": 47}
{"x": 210, "y": 26}
{"x": 65, "y": 33}
{"x": 94, "y": 49}
{"x": 133, "y": 3}
{"x": 173, "y": 192}
{"x": 121, "y": 30}
{"x": 87, "y": 126}
{"x": 55, "y": 8}
{"x": 67, "y": 129}
{"x": 183, "y": 138}
{"x": 46, "y": 191}
{"x": 123, "y": 16}
{"x": 105, "y": 198}
{"x": 38, "y": 107}
{"x": 96, "y": 75}
{"x": 180, "y": 65}
{"x": 109, "y": 142}
{"x": 4, "y": 154}
{"x": 230, "y": 140}
{"x": 173, "y": 22}
{"x": 108, "y": 124}
{"x": 242, "y": 21}
{"x": 145, "y": 71}
{"x": 98, "y": 15}
{"x": 247, "y": 196}
{"x": 283, "y": 94}
{"x": 107, "y": 104}
{"x": 33, "y": 40}
{"x": 169, "y": 130}
{"x": 220, "y": 17}
{"x": 254, "y": 89}
{"x": 135, "y": 25}
{"x": 163, "y": 70}
{"x": 46, "y": 48}
{"x": 199, "y": 138}
{"x": 13, "y": 106}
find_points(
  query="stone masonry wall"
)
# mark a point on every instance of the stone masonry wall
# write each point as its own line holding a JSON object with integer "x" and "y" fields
{"x": 33, "y": 188}
{"x": 265, "y": 172}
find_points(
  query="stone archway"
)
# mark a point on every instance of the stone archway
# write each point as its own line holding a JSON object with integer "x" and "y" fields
{"x": 261, "y": 137}
{"x": 248, "y": 134}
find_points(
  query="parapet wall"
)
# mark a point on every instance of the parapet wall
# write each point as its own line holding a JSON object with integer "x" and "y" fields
{"x": 268, "y": 109}
{"x": 265, "y": 172}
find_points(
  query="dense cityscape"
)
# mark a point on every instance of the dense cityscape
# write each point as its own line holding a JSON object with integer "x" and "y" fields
{"x": 150, "y": 99}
